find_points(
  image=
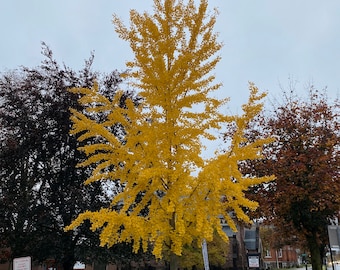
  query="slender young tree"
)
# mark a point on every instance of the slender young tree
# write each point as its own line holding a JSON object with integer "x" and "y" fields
{"x": 172, "y": 195}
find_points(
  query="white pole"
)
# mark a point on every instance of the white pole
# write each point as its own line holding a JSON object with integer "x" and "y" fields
{"x": 205, "y": 254}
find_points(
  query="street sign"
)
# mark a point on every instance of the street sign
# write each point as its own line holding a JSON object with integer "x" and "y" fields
{"x": 23, "y": 263}
{"x": 334, "y": 237}
{"x": 253, "y": 261}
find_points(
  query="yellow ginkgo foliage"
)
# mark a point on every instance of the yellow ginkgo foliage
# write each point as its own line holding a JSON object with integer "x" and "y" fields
{"x": 172, "y": 195}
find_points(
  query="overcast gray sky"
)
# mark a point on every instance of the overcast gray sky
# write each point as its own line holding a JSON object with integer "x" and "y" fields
{"x": 265, "y": 41}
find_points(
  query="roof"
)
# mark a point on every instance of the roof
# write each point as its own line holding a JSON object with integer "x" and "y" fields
{"x": 250, "y": 238}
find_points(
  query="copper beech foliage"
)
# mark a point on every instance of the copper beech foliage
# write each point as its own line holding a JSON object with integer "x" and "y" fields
{"x": 172, "y": 195}
{"x": 304, "y": 199}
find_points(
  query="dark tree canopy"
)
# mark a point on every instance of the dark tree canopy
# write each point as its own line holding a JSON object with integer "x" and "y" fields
{"x": 41, "y": 190}
{"x": 304, "y": 199}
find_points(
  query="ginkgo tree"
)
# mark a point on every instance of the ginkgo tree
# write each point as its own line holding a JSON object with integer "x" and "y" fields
{"x": 171, "y": 195}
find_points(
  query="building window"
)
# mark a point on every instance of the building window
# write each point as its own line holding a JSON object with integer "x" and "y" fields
{"x": 279, "y": 253}
{"x": 268, "y": 255}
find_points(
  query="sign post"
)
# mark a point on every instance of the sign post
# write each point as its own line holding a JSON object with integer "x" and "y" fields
{"x": 205, "y": 254}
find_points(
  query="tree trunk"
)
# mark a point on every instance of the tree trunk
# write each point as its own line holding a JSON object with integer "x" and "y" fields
{"x": 68, "y": 264}
{"x": 173, "y": 261}
{"x": 314, "y": 252}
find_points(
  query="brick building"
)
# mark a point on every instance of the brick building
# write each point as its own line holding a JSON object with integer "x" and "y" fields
{"x": 284, "y": 257}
